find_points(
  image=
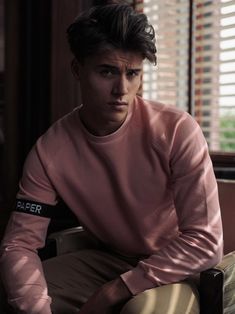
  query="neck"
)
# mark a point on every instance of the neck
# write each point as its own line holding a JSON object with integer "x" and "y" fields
{"x": 100, "y": 128}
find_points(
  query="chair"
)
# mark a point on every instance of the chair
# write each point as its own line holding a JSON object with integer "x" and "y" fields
{"x": 217, "y": 285}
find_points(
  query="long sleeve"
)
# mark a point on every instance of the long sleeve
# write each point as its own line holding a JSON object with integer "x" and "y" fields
{"x": 21, "y": 268}
{"x": 199, "y": 243}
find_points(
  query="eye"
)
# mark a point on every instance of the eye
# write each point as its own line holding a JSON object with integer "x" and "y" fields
{"x": 107, "y": 73}
{"x": 132, "y": 73}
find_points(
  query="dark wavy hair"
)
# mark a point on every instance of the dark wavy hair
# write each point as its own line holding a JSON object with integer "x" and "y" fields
{"x": 107, "y": 26}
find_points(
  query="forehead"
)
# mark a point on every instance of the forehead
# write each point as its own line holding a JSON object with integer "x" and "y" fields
{"x": 116, "y": 57}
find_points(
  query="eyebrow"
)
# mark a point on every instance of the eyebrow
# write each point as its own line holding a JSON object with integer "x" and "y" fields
{"x": 115, "y": 68}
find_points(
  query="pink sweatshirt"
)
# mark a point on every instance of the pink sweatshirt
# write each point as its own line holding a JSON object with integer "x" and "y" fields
{"x": 147, "y": 189}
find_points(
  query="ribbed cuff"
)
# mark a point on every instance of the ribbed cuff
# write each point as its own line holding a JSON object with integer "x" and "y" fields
{"x": 136, "y": 281}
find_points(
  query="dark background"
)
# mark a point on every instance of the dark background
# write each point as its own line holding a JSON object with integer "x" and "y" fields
{"x": 36, "y": 84}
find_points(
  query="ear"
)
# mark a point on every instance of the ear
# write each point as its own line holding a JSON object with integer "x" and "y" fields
{"x": 75, "y": 68}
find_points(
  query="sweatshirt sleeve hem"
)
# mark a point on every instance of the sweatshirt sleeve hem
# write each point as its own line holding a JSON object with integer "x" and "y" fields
{"x": 136, "y": 281}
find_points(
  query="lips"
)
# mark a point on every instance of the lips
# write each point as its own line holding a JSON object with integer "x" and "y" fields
{"x": 118, "y": 105}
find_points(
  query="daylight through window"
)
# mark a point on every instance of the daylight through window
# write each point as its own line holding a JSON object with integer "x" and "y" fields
{"x": 211, "y": 55}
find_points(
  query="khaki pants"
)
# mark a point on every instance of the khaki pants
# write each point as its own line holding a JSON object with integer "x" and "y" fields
{"x": 74, "y": 277}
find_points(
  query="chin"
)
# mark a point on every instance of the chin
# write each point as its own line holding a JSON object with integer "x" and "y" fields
{"x": 118, "y": 117}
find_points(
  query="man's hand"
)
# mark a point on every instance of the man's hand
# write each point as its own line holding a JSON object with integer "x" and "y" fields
{"x": 103, "y": 301}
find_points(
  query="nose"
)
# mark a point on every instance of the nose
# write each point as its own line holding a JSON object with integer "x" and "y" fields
{"x": 120, "y": 86}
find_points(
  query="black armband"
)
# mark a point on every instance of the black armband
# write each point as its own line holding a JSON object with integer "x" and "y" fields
{"x": 34, "y": 208}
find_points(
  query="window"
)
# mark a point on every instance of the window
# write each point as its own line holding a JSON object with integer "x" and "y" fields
{"x": 202, "y": 34}
{"x": 169, "y": 82}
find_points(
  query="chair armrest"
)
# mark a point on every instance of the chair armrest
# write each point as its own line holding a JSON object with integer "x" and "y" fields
{"x": 70, "y": 240}
{"x": 217, "y": 287}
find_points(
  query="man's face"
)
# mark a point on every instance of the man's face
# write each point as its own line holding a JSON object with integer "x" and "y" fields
{"x": 109, "y": 82}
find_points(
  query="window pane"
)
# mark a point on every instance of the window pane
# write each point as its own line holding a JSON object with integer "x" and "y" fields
{"x": 213, "y": 63}
{"x": 168, "y": 82}
{"x": 220, "y": 133}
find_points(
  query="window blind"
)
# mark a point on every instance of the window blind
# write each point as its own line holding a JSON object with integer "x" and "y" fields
{"x": 168, "y": 82}
{"x": 214, "y": 71}
{"x": 202, "y": 35}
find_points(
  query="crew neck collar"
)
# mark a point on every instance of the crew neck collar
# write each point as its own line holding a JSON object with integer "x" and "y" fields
{"x": 112, "y": 136}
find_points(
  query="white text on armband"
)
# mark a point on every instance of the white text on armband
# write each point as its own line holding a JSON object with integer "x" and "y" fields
{"x": 29, "y": 207}
{"x": 34, "y": 208}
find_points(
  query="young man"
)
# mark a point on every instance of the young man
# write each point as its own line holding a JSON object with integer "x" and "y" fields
{"x": 136, "y": 173}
